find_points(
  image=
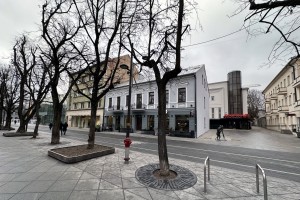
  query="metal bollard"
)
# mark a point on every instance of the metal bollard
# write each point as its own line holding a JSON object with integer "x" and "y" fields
{"x": 206, "y": 163}
{"x": 264, "y": 181}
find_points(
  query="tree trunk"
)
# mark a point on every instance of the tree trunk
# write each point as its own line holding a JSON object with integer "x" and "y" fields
{"x": 162, "y": 143}
{"x": 57, "y": 112}
{"x": 38, "y": 120}
{"x": 8, "y": 120}
{"x": 91, "y": 140}
{"x": 22, "y": 126}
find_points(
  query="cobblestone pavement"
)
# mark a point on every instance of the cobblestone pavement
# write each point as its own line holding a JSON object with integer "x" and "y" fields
{"x": 27, "y": 173}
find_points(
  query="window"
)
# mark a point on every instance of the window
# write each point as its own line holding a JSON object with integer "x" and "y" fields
{"x": 284, "y": 83}
{"x": 212, "y": 98}
{"x": 151, "y": 97}
{"x": 139, "y": 101}
{"x": 82, "y": 105}
{"x": 75, "y": 105}
{"x": 290, "y": 100}
{"x": 127, "y": 100}
{"x": 91, "y": 90}
{"x": 99, "y": 103}
{"x": 89, "y": 104}
{"x": 118, "y": 103}
{"x": 204, "y": 102}
{"x": 288, "y": 80}
{"x": 110, "y": 102}
{"x": 167, "y": 96}
{"x": 220, "y": 113}
{"x": 181, "y": 94}
{"x": 212, "y": 113}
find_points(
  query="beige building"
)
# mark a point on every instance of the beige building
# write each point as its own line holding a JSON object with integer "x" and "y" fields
{"x": 282, "y": 99}
{"x": 79, "y": 107}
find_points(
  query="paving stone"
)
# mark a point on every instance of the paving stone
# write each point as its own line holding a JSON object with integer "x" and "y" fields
{"x": 50, "y": 176}
{"x": 29, "y": 176}
{"x": 70, "y": 176}
{"x": 27, "y": 196}
{"x": 141, "y": 192}
{"x": 55, "y": 196}
{"x": 13, "y": 187}
{"x": 115, "y": 194}
{"x": 5, "y": 196}
{"x": 37, "y": 186}
{"x": 63, "y": 185}
{"x": 88, "y": 184}
{"x": 162, "y": 194}
{"x": 86, "y": 195}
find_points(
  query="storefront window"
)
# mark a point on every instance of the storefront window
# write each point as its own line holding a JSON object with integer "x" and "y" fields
{"x": 182, "y": 123}
{"x": 150, "y": 122}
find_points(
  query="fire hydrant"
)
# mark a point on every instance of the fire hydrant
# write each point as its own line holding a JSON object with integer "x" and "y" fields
{"x": 127, "y": 143}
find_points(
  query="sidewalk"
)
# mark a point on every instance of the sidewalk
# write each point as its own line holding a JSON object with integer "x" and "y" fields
{"x": 26, "y": 172}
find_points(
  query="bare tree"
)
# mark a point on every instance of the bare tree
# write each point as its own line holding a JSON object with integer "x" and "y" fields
{"x": 255, "y": 103}
{"x": 24, "y": 61}
{"x": 59, "y": 28}
{"x": 2, "y": 92}
{"x": 162, "y": 23}
{"x": 11, "y": 94}
{"x": 101, "y": 21}
{"x": 280, "y": 16}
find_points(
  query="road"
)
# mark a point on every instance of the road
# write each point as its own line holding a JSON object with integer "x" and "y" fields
{"x": 285, "y": 165}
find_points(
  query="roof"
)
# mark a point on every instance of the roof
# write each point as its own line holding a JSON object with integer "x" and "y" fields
{"x": 151, "y": 77}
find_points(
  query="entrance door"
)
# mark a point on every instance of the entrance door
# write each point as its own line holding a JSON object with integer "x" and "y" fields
{"x": 138, "y": 123}
{"x": 118, "y": 120}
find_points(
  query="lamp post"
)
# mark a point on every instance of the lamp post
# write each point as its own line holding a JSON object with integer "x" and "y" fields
{"x": 127, "y": 140}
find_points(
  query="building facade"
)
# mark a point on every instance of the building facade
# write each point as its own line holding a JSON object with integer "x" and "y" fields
{"x": 79, "y": 107}
{"x": 228, "y": 97}
{"x": 282, "y": 99}
{"x": 187, "y": 104}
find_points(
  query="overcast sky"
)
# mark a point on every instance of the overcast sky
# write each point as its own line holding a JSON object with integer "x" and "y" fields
{"x": 235, "y": 52}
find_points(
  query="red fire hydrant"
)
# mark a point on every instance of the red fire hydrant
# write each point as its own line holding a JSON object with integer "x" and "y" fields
{"x": 127, "y": 143}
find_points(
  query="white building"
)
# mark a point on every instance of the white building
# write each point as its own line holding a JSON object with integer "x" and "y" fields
{"x": 282, "y": 99}
{"x": 187, "y": 104}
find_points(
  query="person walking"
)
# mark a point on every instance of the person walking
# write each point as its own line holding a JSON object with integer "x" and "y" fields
{"x": 50, "y": 126}
{"x": 222, "y": 130}
{"x": 64, "y": 128}
{"x": 218, "y": 133}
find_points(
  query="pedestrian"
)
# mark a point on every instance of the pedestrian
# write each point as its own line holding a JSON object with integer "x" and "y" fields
{"x": 222, "y": 130}
{"x": 218, "y": 132}
{"x": 61, "y": 128}
{"x": 50, "y": 126}
{"x": 64, "y": 128}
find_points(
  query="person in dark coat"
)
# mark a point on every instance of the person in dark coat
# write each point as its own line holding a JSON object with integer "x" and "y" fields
{"x": 50, "y": 126}
{"x": 64, "y": 128}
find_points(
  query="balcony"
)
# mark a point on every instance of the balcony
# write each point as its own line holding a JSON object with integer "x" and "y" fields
{"x": 274, "y": 96}
{"x": 182, "y": 105}
{"x": 138, "y": 107}
{"x": 282, "y": 91}
{"x": 115, "y": 109}
{"x": 297, "y": 82}
{"x": 274, "y": 111}
{"x": 283, "y": 109}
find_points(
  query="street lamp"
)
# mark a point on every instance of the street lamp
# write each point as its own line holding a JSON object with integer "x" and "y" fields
{"x": 127, "y": 140}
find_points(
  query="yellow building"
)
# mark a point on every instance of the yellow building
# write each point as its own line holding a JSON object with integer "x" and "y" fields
{"x": 79, "y": 107}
